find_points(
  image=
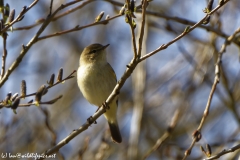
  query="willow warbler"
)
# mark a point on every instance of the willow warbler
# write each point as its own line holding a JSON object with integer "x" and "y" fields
{"x": 96, "y": 80}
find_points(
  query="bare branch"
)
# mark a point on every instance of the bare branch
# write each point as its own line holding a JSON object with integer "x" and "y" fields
{"x": 32, "y": 41}
{"x": 50, "y": 8}
{"x": 133, "y": 42}
{"x": 164, "y": 137}
{"x": 216, "y": 81}
{"x": 140, "y": 40}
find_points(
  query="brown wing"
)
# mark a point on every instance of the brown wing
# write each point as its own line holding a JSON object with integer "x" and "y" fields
{"x": 113, "y": 72}
{"x": 114, "y": 77}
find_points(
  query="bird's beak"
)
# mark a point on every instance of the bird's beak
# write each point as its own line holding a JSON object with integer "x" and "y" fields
{"x": 104, "y": 47}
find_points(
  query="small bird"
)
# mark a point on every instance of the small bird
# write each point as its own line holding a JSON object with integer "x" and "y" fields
{"x": 96, "y": 80}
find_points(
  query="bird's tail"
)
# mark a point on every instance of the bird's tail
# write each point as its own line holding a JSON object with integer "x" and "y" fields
{"x": 115, "y": 132}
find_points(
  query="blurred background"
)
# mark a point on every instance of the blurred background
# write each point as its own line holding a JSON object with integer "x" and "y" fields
{"x": 174, "y": 83}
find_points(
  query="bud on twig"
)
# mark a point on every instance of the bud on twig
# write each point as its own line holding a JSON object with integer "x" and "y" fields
{"x": 99, "y": 17}
{"x": 122, "y": 11}
{"x": 15, "y": 105}
{"x": 11, "y": 16}
{"x": 187, "y": 152}
{"x": 7, "y": 99}
{"x": 60, "y": 74}
{"x": 53, "y": 100}
{"x": 14, "y": 97}
{"x": 209, "y": 150}
{"x": 1, "y": 24}
{"x": 107, "y": 17}
{"x": 134, "y": 24}
{"x": 187, "y": 29}
{"x": 23, "y": 89}
{"x": 6, "y": 12}
{"x": 39, "y": 94}
{"x": 51, "y": 81}
{"x": 197, "y": 135}
{"x": 127, "y": 18}
{"x": 45, "y": 91}
{"x": 202, "y": 149}
{"x": 210, "y": 4}
{"x": 206, "y": 20}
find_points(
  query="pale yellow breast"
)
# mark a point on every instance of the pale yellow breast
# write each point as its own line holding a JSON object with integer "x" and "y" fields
{"x": 96, "y": 82}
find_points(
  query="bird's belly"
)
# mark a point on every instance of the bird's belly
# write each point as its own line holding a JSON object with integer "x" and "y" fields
{"x": 94, "y": 84}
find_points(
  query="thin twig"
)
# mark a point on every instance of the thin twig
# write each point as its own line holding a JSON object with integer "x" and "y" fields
{"x": 139, "y": 85}
{"x": 140, "y": 40}
{"x": 52, "y": 101}
{"x": 217, "y": 74}
{"x": 53, "y": 134}
{"x": 77, "y": 28}
{"x": 133, "y": 41}
{"x": 50, "y": 8}
{"x": 4, "y": 55}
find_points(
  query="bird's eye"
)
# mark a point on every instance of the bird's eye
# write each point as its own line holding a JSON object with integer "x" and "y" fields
{"x": 94, "y": 51}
